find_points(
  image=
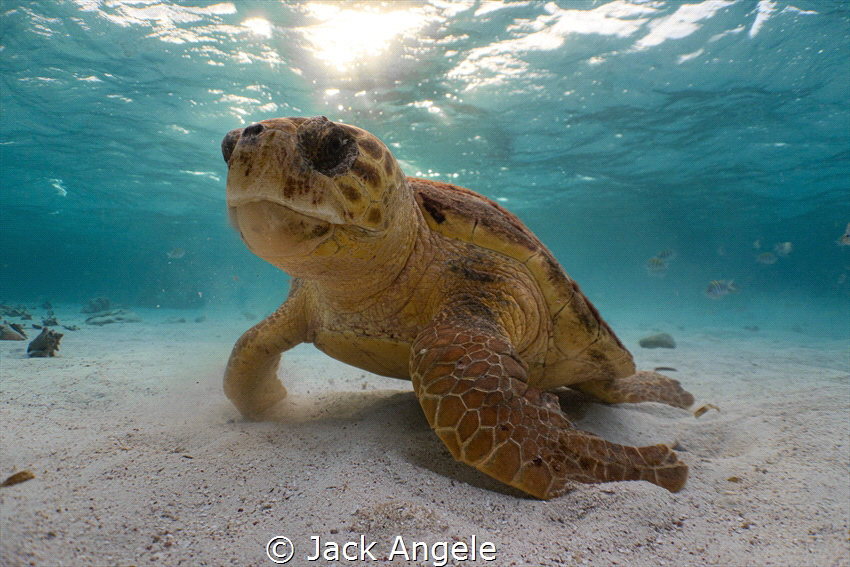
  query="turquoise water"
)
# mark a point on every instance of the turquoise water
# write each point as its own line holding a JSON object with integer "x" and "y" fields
{"x": 614, "y": 129}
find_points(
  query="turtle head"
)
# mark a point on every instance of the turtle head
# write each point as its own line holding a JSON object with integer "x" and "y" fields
{"x": 300, "y": 190}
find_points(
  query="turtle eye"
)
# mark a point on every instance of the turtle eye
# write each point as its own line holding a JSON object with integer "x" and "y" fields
{"x": 335, "y": 144}
{"x": 254, "y": 130}
{"x": 327, "y": 147}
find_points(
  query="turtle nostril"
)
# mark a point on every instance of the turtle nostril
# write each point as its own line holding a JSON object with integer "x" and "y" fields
{"x": 254, "y": 130}
{"x": 228, "y": 144}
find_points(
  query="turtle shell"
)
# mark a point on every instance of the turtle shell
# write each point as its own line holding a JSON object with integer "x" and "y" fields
{"x": 582, "y": 346}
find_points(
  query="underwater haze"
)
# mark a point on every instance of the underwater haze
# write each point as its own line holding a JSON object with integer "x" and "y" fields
{"x": 654, "y": 146}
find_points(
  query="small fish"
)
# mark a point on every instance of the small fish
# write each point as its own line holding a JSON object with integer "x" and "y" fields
{"x": 18, "y": 478}
{"x": 845, "y": 238}
{"x": 705, "y": 408}
{"x": 757, "y": 244}
{"x": 656, "y": 267}
{"x": 666, "y": 255}
{"x": 766, "y": 258}
{"x": 718, "y": 288}
{"x": 783, "y": 248}
{"x": 59, "y": 186}
{"x": 176, "y": 254}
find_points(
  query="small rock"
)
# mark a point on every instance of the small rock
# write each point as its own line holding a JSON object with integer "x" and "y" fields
{"x": 658, "y": 340}
{"x": 44, "y": 345}
{"x": 18, "y": 327}
{"x": 7, "y": 333}
{"x": 19, "y": 311}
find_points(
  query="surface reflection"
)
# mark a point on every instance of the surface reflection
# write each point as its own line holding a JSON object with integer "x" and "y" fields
{"x": 346, "y": 35}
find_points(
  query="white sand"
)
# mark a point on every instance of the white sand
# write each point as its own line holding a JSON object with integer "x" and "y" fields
{"x": 139, "y": 459}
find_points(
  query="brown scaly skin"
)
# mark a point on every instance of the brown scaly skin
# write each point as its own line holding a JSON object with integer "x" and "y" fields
{"x": 430, "y": 282}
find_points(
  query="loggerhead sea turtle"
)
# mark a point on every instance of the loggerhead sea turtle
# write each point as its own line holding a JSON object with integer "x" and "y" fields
{"x": 430, "y": 282}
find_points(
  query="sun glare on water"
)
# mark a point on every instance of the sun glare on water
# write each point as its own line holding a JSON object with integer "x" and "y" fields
{"x": 346, "y": 35}
{"x": 258, "y": 26}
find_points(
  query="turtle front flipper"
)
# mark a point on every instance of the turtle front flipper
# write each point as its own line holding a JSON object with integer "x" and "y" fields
{"x": 250, "y": 380}
{"x": 471, "y": 385}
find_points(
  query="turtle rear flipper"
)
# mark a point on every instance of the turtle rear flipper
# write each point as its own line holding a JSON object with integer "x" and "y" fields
{"x": 643, "y": 386}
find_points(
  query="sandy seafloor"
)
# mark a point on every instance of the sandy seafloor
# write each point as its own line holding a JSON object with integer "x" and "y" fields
{"x": 139, "y": 459}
